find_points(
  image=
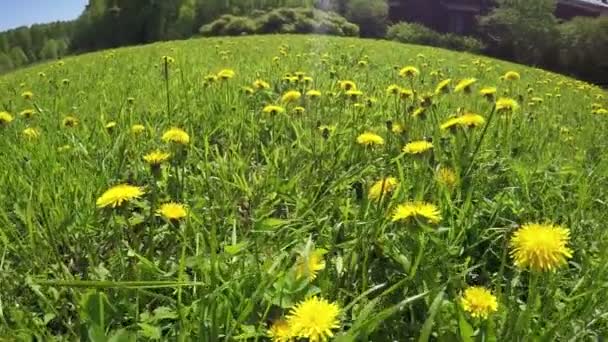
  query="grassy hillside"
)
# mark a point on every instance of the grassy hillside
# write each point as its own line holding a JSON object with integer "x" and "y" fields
{"x": 491, "y": 226}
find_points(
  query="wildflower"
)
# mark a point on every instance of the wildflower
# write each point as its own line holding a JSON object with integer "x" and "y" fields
{"x": 370, "y": 139}
{"x": 5, "y": 118}
{"x": 348, "y": 85}
{"x": 28, "y": 95}
{"x": 382, "y": 188}
{"x": 70, "y": 121}
{"x": 291, "y": 96}
{"x": 118, "y": 194}
{"x": 393, "y": 89}
{"x": 406, "y": 93}
{"x": 397, "y": 128}
{"x": 299, "y": 74}
{"x": 168, "y": 59}
{"x": 110, "y": 126}
{"x": 137, "y": 129}
{"x": 488, "y": 92}
{"x": 419, "y": 112}
{"x": 280, "y": 331}
{"x": 31, "y": 133}
{"x": 601, "y": 111}
{"x": 307, "y": 266}
{"x": 172, "y": 211}
{"x": 511, "y": 76}
{"x": 27, "y": 113}
{"x": 156, "y": 158}
{"x": 479, "y": 302}
{"x": 259, "y": 84}
{"x": 41, "y": 74}
{"x": 409, "y": 71}
{"x": 417, "y": 147}
{"x": 465, "y": 85}
{"x": 248, "y": 90}
{"x": 299, "y": 110}
{"x": 65, "y": 82}
{"x": 272, "y": 109}
{"x": 540, "y": 247}
{"x": 313, "y": 94}
{"x": 446, "y": 177}
{"x": 466, "y": 120}
{"x": 314, "y": 319}
{"x": 354, "y": 94}
{"x": 307, "y": 80}
{"x": 225, "y": 74}
{"x": 443, "y": 87}
{"x": 362, "y": 63}
{"x": 176, "y": 135}
{"x": 506, "y": 105}
{"x": 330, "y": 128}
{"x": 426, "y": 100}
{"x": 413, "y": 210}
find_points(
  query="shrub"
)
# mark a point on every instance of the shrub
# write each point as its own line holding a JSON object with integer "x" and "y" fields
{"x": 370, "y": 15}
{"x": 282, "y": 20}
{"x": 418, "y": 34}
{"x": 584, "y": 48}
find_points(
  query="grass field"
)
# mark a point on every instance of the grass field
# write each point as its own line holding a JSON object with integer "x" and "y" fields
{"x": 288, "y": 220}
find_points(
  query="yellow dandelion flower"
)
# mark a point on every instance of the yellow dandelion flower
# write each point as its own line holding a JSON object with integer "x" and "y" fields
{"x": 211, "y": 78}
{"x": 393, "y": 89}
{"x": 446, "y": 177}
{"x": 172, "y": 211}
{"x": 307, "y": 80}
{"x": 31, "y": 133}
{"x": 70, "y": 121}
{"x": 511, "y": 76}
{"x": 137, "y": 129}
{"x": 291, "y": 96}
{"x": 27, "y": 113}
{"x": 382, "y": 187}
{"x": 299, "y": 110}
{"x": 176, "y": 135}
{"x": 354, "y": 94}
{"x": 421, "y": 210}
{"x": 225, "y": 74}
{"x": 110, "y": 125}
{"x": 406, "y": 93}
{"x": 540, "y": 247}
{"x": 280, "y": 331}
{"x": 248, "y": 90}
{"x": 259, "y": 84}
{"x": 487, "y": 91}
{"x": 313, "y": 94}
{"x": 397, "y": 128}
{"x": 370, "y": 139}
{"x": 28, "y": 95}
{"x": 118, "y": 194}
{"x": 479, "y": 302}
{"x": 168, "y": 59}
{"x": 5, "y": 118}
{"x": 348, "y": 85}
{"x": 465, "y": 85}
{"x": 157, "y": 157}
{"x": 314, "y": 319}
{"x": 506, "y": 105}
{"x": 443, "y": 87}
{"x": 362, "y": 63}
{"x": 307, "y": 266}
{"x": 329, "y": 128}
{"x": 417, "y": 147}
{"x": 466, "y": 120}
{"x": 419, "y": 112}
{"x": 409, "y": 71}
{"x": 272, "y": 109}
{"x": 601, "y": 111}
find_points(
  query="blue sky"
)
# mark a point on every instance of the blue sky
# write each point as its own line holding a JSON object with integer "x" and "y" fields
{"x": 15, "y": 13}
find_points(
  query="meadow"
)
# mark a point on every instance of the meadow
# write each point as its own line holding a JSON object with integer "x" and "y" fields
{"x": 301, "y": 188}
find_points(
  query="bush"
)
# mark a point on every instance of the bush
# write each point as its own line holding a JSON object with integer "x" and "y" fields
{"x": 370, "y": 15}
{"x": 282, "y": 20}
{"x": 418, "y": 34}
{"x": 584, "y": 48}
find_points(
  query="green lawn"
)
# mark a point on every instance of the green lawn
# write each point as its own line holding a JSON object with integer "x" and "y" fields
{"x": 280, "y": 203}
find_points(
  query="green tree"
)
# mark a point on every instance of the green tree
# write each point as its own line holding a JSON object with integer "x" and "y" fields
{"x": 4, "y": 45}
{"x": 49, "y": 50}
{"x": 370, "y": 15}
{"x": 6, "y": 63}
{"x": 18, "y": 57}
{"x": 523, "y": 30}
{"x": 584, "y": 47}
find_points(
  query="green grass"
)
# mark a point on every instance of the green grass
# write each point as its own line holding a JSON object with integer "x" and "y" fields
{"x": 262, "y": 189}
